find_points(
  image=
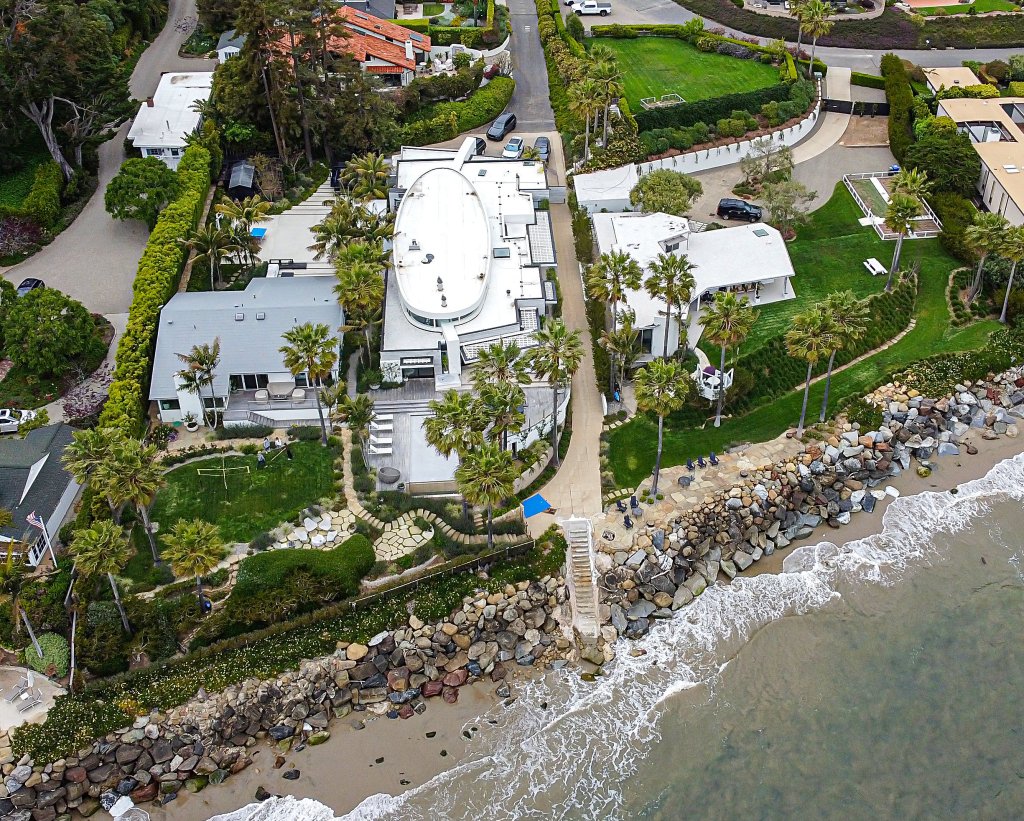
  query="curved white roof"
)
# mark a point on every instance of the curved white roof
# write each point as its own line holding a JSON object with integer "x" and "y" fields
{"x": 442, "y": 231}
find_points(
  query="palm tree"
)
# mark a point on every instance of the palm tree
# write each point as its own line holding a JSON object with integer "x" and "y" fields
{"x": 798, "y": 8}
{"x": 808, "y": 339}
{"x": 501, "y": 364}
{"x": 1013, "y": 250}
{"x": 899, "y": 217}
{"x": 671, "y": 279}
{"x": 609, "y": 81}
{"x": 556, "y": 358}
{"x": 131, "y": 476}
{"x": 661, "y": 388}
{"x": 360, "y": 291}
{"x": 311, "y": 348}
{"x": 985, "y": 237}
{"x": 87, "y": 451}
{"x": 102, "y": 549}
{"x": 201, "y": 362}
{"x": 210, "y": 243}
{"x": 486, "y": 476}
{"x": 611, "y": 278}
{"x": 584, "y": 101}
{"x": 816, "y": 25}
{"x": 849, "y": 318}
{"x": 502, "y": 404}
{"x": 358, "y": 412}
{"x": 347, "y": 222}
{"x": 456, "y": 425}
{"x": 244, "y": 214}
{"x": 911, "y": 182}
{"x": 367, "y": 177}
{"x": 194, "y": 548}
{"x": 726, "y": 324}
{"x": 623, "y": 346}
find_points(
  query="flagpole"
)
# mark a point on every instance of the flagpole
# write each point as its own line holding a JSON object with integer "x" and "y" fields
{"x": 49, "y": 546}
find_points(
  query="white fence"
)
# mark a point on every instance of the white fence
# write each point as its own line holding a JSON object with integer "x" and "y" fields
{"x": 928, "y": 224}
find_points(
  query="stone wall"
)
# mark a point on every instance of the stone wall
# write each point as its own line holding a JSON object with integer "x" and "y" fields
{"x": 668, "y": 563}
{"x": 209, "y": 738}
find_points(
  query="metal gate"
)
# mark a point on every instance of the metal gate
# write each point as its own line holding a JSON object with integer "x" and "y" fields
{"x": 858, "y": 108}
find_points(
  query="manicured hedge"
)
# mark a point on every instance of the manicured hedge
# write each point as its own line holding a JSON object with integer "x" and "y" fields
{"x": 970, "y": 31}
{"x": 866, "y": 80}
{"x": 710, "y": 111}
{"x": 155, "y": 282}
{"x": 955, "y": 213}
{"x": 42, "y": 204}
{"x": 444, "y": 121}
{"x": 901, "y": 101}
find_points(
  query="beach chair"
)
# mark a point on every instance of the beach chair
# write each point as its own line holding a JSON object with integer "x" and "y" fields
{"x": 382, "y": 426}
{"x": 713, "y": 459}
{"x": 690, "y": 466}
{"x": 16, "y": 690}
{"x": 381, "y": 451}
{"x": 627, "y": 522}
{"x": 35, "y": 698}
{"x": 383, "y": 417}
{"x": 620, "y": 506}
{"x": 381, "y": 441}
{"x": 701, "y": 463}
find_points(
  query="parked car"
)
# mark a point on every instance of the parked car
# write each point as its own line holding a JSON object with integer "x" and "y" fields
{"x": 501, "y": 126}
{"x": 11, "y": 419}
{"x": 514, "y": 148}
{"x": 481, "y": 145}
{"x": 30, "y": 284}
{"x": 543, "y": 147}
{"x": 731, "y": 209}
{"x": 592, "y": 7}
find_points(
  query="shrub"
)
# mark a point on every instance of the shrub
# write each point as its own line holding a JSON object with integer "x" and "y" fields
{"x": 250, "y": 430}
{"x": 56, "y": 655}
{"x": 955, "y": 213}
{"x": 867, "y": 80}
{"x": 19, "y": 235}
{"x": 42, "y": 347}
{"x": 1016, "y": 88}
{"x": 709, "y": 111}
{"x": 444, "y": 121}
{"x": 43, "y": 201}
{"x": 304, "y": 433}
{"x": 900, "y": 97}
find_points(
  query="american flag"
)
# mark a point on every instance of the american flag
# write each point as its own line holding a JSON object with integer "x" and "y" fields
{"x": 35, "y": 521}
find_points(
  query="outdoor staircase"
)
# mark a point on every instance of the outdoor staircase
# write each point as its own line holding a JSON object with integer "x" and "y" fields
{"x": 316, "y": 202}
{"x": 586, "y": 617}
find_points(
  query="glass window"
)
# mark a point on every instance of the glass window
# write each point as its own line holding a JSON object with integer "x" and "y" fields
{"x": 301, "y": 381}
{"x": 646, "y": 339}
{"x": 170, "y": 404}
{"x": 210, "y": 402}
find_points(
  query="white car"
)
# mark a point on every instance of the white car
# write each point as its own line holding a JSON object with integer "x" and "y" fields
{"x": 11, "y": 420}
{"x": 514, "y": 148}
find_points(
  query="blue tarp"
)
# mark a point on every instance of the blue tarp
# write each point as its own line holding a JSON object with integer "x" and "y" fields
{"x": 534, "y": 505}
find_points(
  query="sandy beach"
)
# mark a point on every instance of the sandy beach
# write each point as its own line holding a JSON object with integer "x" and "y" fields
{"x": 348, "y": 767}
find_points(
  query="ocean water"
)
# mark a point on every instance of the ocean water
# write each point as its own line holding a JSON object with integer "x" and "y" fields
{"x": 877, "y": 679}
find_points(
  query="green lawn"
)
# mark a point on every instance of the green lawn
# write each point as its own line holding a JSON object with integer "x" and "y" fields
{"x": 652, "y": 66}
{"x": 432, "y": 9}
{"x": 632, "y": 445}
{"x": 964, "y": 8}
{"x": 253, "y": 502}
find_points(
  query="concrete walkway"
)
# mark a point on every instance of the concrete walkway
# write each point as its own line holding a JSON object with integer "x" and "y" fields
{"x": 95, "y": 259}
{"x": 576, "y": 488}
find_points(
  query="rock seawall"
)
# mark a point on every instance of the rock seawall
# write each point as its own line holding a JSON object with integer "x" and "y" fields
{"x": 206, "y": 740}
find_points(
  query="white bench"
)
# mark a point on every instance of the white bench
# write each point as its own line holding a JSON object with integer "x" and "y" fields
{"x": 875, "y": 267}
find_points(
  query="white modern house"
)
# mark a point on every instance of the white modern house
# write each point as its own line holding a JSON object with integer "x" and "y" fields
{"x": 749, "y": 260}
{"x": 251, "y": 384}
{"x": 470, "y": 259}
{"x": 996, "y": 129}
{"x": 167, "y": 118}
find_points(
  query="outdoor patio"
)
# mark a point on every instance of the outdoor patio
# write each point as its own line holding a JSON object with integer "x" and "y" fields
{"x": 278, "y": 408}
{"x": 872, "y": 191}
{"x": 20, "y": 704}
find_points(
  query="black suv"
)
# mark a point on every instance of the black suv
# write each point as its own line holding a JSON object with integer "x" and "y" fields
{"x": 738, "y": 210}
{"x": 501, "y": 126}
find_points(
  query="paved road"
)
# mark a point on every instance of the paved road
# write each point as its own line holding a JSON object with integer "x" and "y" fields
{"x": 95, "y": 259}
{"x": 530, "y": 99}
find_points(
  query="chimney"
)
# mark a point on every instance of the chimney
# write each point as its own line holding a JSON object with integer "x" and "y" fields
{"x": 149, "y": 102}
{"x": 408, "y": 51}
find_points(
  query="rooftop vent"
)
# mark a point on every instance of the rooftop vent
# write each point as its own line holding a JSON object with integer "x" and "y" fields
{"x": 414, "y": 246}
{"x": 239, "y": 317}
{"x": 428, "y": 259}
{"x": 440, "y": 284}
{"x": 444, "y": 301}
{"x": 1011, "y": 169}
{"x": 260, "y": 315}
{"x": 760, "y": 232}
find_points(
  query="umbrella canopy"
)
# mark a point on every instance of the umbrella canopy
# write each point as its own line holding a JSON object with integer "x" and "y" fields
{"x": 535, "y": 504}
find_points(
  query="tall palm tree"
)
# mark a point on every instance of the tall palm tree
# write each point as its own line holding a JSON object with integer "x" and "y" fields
{"x": 200, "y": 365}
{"x": 244, "y": 214}
{"x": 817, "y": 25}
{"x": 899, "y": 217}
{"x": 370, "y": 252}
{"x": 358, "y": 412}
{"x": 611, "y": 278}
{"x": 210, "y": 243}
{"x": 808, "y": 338}
{"x": 194, "y": 548}
{"x": 102, "y": 549}
{"x": 609, "y": 81}
{"x": 670, "y": 277}
{"x": 132, "y": 476}
{"x": 456, "y": 424}
{"x": 556, "y": 358}
{"x": 727, "y": 322}
{"x": 985, "y": 237}
{"x": 313, "y": 349}
{"x": 502, "y": 403}
{"x": 1013, "y": 250}
{"x": 367, "y": 177}
{"x": 501, "y": 364}
{"x": 798, "y": 8}
{"x": 623, "y": 346}
{"x": 911, "y": 182}
{"x": 584, "y": 102}
{"x": 87, "y": 451}
{"x": 486, "y": 476}
{"x": 360, "y": 291}
{"x": 661, "y": 388}
{"x": 849, "y": 318}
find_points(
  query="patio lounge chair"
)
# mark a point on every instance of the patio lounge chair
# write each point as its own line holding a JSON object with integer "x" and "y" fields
{"x": 35, "y": 698}
{"x": 713, "y": 459}
{"x": 16, "y": 690}
{"x": 298, "y": 394}
{"x": 690, "y": 466}
{"x": 380, "y": 451}
{"x": 377, "y": 440}
{"x": 382, "y": 426}
{"x": 262, "y": 395}
{"x": 701, "y": 463}
{"x": 383, "y": 417}
{"x": 620, "y": 506}
{"x": 627, "y": 522}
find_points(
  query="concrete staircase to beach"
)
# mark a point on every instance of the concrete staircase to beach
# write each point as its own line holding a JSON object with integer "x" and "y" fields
{"x": 582, "y": 583}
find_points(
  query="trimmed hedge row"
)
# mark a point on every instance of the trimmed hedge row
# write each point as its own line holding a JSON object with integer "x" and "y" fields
{"x": 42, "y": 204}
{"x": 445, "y": 121}
{"x": 159, "y": 269}
{"x": 866, "y": 80}
{"x": 711, "y": 111}
{"x": 955, "y": 213}
{"x": 901, "y": 103}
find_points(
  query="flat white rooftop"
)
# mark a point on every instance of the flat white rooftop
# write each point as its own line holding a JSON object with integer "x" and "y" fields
{"x": 171, "y": 118}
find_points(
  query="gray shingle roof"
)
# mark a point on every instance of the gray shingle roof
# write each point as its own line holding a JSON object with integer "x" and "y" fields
{"x": 17, "y": 458}
{"x": 248, "y": 344}
{"x": 231, "y": 38}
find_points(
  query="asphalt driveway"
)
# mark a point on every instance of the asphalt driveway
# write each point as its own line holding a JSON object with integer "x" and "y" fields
{"x": 530, "y": 99}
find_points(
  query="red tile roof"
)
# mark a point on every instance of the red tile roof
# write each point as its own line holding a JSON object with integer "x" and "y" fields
{"x": 356, "y": 19}
{"x": 363, "y": 47}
